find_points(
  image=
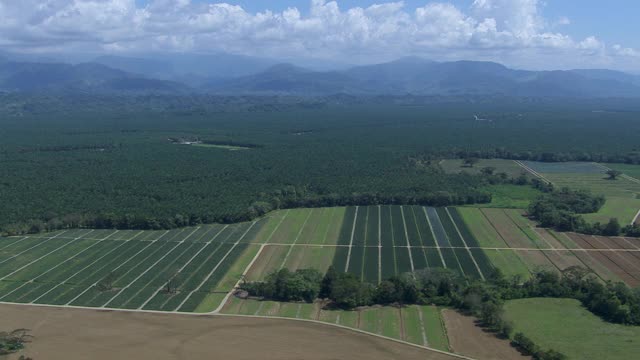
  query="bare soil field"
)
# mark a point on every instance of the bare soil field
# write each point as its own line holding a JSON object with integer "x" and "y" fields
{"x": 468, "y": 339}
{"x": 90, "y": 334}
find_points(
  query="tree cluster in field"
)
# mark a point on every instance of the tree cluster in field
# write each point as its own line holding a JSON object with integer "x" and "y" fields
{"x": 527, "y": 347}
{"x": 13, "y": 341}
{"x": 561, "y": 209}
{"x": 613, "y": 302}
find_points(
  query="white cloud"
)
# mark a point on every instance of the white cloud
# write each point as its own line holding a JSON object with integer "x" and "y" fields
{"x": 511, "y": 31}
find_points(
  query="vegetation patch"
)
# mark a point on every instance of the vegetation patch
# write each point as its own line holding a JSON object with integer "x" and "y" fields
{"x": 565, "y": 325}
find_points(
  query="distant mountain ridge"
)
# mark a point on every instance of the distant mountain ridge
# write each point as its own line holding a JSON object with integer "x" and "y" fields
{"x": 422, "y": 77}
{"x": 86, "y": 77}
{"x": 251, "y": 76}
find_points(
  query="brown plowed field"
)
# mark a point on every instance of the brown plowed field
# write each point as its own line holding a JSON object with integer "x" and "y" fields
{"x": 606, "y": 258}
{"x": 74, "y": 334}
{"x": 468, "y": 339}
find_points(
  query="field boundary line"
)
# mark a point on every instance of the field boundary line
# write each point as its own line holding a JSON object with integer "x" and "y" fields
{"x": 15, "y": 242}
{"x": 628, "y": 177}
{"x": 406, "y": 235}
{"x": 635, "y": 247}
{"x": 119, "y": 266}
{"x": 635, "y": 218}
{"x": 364, "y": 241}
{"x": 204, "y": 281}
{"x": 433, "y": 233}
{"x": 56, "y": 266}
{"x": 444, "y": 232}
{"x": 295, "y": 241}
{"x": 455, "y": 226}
{"x": 202, "y": 263}
{"x": 533, "y": 172}
{"x": 425, "y": 341}
{"x": 31, "y": 248}
{"x": 169, "y": 314}
{"x": 244, "y": 273}
{"x": 148, "y": 269}
{"x": 508, "y": 246}
{"x": 353, "y": 231}
{"x": 522, "y": 230}
{"x": 85, "y": 268}
{"x": 326, "y": 232}
{"x": 277, "y": 226}
{"x": 415, "y": 220}
{"x": 43, "y": 256}
{"x": 177, "y": 272}
{"x": 189, "y": 247}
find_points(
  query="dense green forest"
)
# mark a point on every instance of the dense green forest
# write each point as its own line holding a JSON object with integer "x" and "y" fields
{"x": 108, "y": 161}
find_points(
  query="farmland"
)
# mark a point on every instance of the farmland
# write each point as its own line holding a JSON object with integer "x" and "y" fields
{"x": 421, "y": 325}
{"x": 192, "y": 269}
{"x": 566, "y": 326}
{"x": 622, "y": 195}
{"x": 195, "y": 269}
{"x": 124, "y": 269}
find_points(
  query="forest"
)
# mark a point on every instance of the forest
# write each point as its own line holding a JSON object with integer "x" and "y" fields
{"x": 107, "y": 162}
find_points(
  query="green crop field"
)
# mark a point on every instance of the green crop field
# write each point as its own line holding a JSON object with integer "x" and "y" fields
{"x": 127, "y": 269}
{"x": 564, "y": 325}
{"x": 421, "y": 325}
{"x": 622, "y": 195}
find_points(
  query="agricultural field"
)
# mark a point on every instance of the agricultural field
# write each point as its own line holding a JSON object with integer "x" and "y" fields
{"x": 623, "y": 194}
{"x": 566, "y": 326}
{"x": 517, "y": 247}
{"x": 193, "y": 269}
{"x": 421, "y": 325}
{"x": 177, "y": 270}
{"x": 196, "y": 269}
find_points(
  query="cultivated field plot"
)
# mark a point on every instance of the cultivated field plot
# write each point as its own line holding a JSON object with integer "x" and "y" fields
{"x": 623, "y": 194}
{"x": 177, "y": 270}
{"x": 517, "y": 247}
{"x": 373, "y": 242}
{"x": 194, "y": 269}
{"x": 420, "y": 325}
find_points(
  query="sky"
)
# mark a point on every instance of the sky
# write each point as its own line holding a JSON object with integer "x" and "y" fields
{"x": 531, "y": 34}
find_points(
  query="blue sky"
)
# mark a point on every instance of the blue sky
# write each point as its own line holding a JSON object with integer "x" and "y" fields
{"x": 613, "y": 21}
{"x": 532, "y": 34}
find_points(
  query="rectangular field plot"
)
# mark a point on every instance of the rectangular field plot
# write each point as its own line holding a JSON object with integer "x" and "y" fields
{"x": 160, "y": 270}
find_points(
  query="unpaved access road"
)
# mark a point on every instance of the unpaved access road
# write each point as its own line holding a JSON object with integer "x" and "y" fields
{"x": 70, "y": 334}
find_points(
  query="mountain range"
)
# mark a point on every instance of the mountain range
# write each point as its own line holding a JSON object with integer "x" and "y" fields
{"x": 240, "y": 75}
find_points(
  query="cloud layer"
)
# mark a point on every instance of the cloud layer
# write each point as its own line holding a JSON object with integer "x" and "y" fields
{"x": 510, "y": 31}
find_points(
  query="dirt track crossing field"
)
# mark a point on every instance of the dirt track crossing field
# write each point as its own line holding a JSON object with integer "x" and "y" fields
{"x": 70, "y": 334}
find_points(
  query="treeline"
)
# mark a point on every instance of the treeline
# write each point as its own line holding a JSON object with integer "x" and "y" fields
{"x": 613, "y": 302}
{"x": 632, "y": 157}
{"x": 561, "y": 209}
{"x": 288, "y": 198}
{"x": 61, "y": 148}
